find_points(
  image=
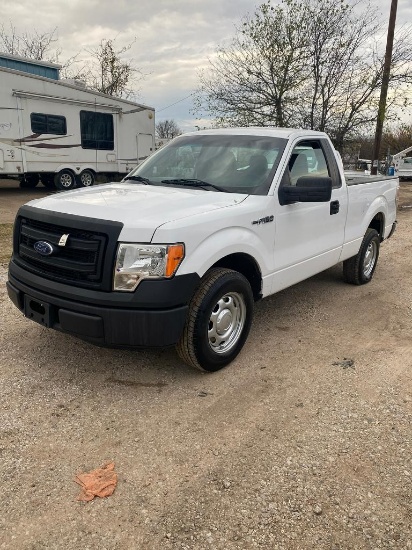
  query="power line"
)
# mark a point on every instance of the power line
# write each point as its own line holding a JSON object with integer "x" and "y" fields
{"x": 175, "y": 103}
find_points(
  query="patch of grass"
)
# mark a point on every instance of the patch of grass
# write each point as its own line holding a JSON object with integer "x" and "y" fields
{"x": 6, "y": 233}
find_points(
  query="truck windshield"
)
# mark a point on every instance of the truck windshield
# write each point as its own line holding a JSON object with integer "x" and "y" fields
{"x": 229, "y": 163}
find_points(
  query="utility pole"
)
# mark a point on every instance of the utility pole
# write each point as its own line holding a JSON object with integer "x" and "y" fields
{"x": 384, "y": 88}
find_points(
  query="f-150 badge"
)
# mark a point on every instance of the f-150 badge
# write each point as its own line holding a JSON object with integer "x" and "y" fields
{"x": 267, "y": 219}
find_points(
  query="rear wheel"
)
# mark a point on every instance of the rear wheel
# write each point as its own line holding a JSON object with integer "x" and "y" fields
{"x": 218, "y": 322}
{"x": 86, "y": 178}
{"x": 359, "y": 269}
{"x": 65, "y": 180}
{"x": 29, "y": 181}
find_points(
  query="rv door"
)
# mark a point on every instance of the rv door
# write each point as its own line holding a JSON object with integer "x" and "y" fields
{"x": 145, "y": 146}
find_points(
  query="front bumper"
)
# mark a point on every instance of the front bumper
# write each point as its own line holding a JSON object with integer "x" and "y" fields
{"x": 113, "y": 320}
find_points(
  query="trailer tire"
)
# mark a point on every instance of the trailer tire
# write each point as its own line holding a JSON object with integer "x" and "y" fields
{"x": 218, "y": 321}
{"x": 359, "y": 269}
{"x": 86, "y": 178}
{"x": 29, "y": 181}
{"x": 65, "y": 180}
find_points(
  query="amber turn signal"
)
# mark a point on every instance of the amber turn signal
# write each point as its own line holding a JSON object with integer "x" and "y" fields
{"x": 175, "y": 255}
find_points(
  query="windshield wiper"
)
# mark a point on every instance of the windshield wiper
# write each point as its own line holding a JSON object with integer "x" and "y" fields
{"x": 193, "y": 182}
{"x": 139, "y": 179}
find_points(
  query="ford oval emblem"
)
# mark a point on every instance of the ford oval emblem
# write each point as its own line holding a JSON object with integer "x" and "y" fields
{"x": 44, "y": 248}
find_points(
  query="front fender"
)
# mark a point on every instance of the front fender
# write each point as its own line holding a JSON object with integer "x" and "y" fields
{"x": 222, "y": 243}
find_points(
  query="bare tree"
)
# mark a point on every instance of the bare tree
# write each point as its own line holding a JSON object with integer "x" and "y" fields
{"x": 308, "y": 63}
{"x": 34, "y": 45}
{"x": 105, "y": 71}
{"x": 257, "y": 78}
{"x": 167, "y": 129}
{"x": 109, "y": 73}
{"x": 397, "y": 138}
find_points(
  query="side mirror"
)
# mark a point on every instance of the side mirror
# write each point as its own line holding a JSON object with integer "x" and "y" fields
{"x": 307, "y": 189}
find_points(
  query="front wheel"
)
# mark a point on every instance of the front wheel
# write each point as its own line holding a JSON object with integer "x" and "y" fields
{"x": 359, "y": 269}
{"x": 218, "y": 322}
{"x": 65, "y": 180}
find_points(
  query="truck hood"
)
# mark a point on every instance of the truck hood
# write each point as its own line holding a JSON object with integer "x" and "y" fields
{"x": 141, "y": 208}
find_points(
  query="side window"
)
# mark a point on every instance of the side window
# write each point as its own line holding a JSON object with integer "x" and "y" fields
{"x": 96, "y": 130}
{"x": 42, "y": 123}
{"x": 307, "y": 159}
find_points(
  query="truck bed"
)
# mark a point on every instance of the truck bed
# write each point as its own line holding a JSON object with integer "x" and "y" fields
{"x": 355, "y": 179}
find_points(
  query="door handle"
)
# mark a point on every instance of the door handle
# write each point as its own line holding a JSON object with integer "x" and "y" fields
{"x": 334, "y": 207}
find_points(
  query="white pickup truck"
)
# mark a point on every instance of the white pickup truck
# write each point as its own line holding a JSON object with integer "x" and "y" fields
{"x": 178, "y": 252}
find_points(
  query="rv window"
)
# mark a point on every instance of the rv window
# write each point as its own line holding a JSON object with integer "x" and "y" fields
{"x": 97, "y": 130}
{"x": 48, "y": 124}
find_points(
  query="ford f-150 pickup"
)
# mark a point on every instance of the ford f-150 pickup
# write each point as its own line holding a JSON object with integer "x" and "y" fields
{"x": 178, "y": 252}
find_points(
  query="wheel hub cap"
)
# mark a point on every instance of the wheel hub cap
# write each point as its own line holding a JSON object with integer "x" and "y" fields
{"x": 226, "y": 322}
{"x": 66, "y": 180}
{"x": 370, "y": 259}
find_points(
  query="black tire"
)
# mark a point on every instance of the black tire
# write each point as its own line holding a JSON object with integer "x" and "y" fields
{"x": 48, "y": 181}
{"x": 86, "y": 178}
{"x": 29, "y": 181}
{"x": 224, "y": 297}
{"x": 359, "y": 269}
{"x": 65, "y": 180}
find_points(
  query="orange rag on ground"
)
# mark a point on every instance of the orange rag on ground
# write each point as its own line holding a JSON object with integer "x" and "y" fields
{"x": 97, "y": 483}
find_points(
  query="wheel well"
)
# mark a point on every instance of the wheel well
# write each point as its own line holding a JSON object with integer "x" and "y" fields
{"x": 378, "y": 223}
{"x": 247, "y": 266}
{"x": 65, "y": 170}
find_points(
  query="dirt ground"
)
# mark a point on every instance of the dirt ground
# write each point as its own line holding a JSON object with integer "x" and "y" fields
{"x": 304, "y": 442}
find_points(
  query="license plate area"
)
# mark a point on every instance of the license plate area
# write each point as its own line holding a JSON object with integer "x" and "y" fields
{"x": 37, "y": 311}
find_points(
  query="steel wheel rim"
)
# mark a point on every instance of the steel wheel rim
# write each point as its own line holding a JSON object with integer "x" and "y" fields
{"x": 86, "y": 179}
{"x": 370, "y": 258}
{"x": 66, "y": 180}
{"x": 226, "y": 322}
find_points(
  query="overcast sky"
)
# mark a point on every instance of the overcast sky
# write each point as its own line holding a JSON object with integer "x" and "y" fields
{"x": 174, "y": 38}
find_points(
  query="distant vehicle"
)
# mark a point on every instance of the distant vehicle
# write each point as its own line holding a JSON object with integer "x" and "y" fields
{"x": 403, "y": 164}
{"x": 64, "y": 134}
{"x": 178, "y": 252}
{"x": 363, "y": 164}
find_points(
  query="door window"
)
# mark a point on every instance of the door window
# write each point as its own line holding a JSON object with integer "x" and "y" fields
{"x": 307, "y": 159}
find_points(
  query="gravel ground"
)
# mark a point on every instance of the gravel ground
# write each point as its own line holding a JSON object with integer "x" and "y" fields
{"x": 303, "y": 442}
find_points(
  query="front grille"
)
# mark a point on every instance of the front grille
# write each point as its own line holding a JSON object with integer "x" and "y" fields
{"x": 80, "y": 261}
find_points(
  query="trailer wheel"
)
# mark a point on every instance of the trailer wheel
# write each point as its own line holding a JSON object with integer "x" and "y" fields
{"x": 85, "y": 178}
{"x": 359, "y": 269}
{"x": 48, "y": 181}
{"x": 29, "y": 181}
{"x": 65, "y": 180}
{"x": 218, "y": 321}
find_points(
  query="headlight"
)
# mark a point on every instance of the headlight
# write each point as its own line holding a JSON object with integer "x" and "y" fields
{"x": 135, "y": 262}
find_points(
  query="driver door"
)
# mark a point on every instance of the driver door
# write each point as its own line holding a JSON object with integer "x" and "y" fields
{"x": 309, "y": 236}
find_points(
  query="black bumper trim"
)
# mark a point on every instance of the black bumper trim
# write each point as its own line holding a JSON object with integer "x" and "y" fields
{"x": 150, "y": 294}
{"x": 107, "y": 326}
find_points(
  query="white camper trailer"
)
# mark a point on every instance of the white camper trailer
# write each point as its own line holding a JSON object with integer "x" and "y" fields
{"x": 63, "y": 134}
